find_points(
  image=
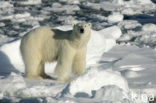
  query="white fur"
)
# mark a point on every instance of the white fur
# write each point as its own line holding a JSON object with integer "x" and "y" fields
{"x": 45, "y": 44}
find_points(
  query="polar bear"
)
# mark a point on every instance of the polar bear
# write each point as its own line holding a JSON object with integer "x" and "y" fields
{"x": 46, "y": 44}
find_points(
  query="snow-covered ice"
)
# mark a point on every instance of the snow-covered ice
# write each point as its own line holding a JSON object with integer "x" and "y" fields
{"x": 56, "y": 7}
{"x": 115, "y": 17}
{"x": 22, "y": 88}
{"x": 30, "y": 2}
{"x": 137, "y": 65}
{"x": 92, "y": 76}
{"x": 104, "y": 40}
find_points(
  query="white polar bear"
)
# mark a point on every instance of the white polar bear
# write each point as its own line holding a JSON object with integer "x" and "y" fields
{"x": 45, "y": 44}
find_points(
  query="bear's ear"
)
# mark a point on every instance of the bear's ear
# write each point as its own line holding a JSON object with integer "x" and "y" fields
{"x": 89, "y": 24}
{"x": 73, "y": 24}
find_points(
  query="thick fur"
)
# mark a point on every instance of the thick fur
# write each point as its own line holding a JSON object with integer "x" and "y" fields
{"x": 45, "y": 44}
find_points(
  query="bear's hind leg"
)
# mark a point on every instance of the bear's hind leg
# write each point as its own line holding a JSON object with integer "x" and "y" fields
{"x": 42, "y": 71}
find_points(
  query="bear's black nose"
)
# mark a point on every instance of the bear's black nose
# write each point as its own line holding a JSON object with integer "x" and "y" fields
{"x": 81, "y": 30}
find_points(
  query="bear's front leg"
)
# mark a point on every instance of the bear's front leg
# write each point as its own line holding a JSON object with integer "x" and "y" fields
{"x": 79, "y": 62}
{"x": 64, "y": 63}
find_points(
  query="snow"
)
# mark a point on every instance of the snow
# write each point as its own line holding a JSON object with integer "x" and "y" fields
{"x": 13, "y": 58}
{"x": 30, "y": 2}
{"x": 56, "y": 7}
{"x": 130, "y": 7}
{"x": 21, "y": 17}
{"x": 2, "y": 24}
{"x": 99, "y": 77}
{"x": 70, "y": 1}
{"x": 104, "y": 40}
{"x": 138, "y": 34}
{"x": 149, "y": 27}
{"x": 15, "y": 81}
{"x": 6, "y": 7}
{"x": 142, "y": 1}
{"x": 4, "y": 39}
{"x": 5, "y": 4}
{"x": 118, "y": 2}
{"x": 67, "y": 19}
{"x": 115, "y": 17}
{"x": 102, "y": 6}
{"x": 108, "y": 93}
{"x": 136, "y": 64}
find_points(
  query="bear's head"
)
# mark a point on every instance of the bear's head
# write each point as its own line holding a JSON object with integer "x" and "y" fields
{"x": 82, "y": 29}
